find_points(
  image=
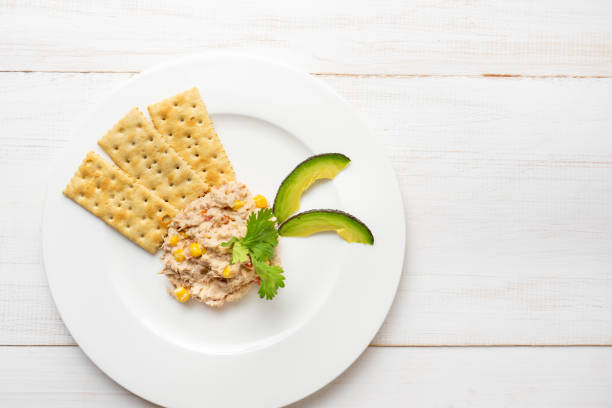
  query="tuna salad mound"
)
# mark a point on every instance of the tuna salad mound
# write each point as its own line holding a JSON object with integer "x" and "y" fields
{"x": 194, "y": 261}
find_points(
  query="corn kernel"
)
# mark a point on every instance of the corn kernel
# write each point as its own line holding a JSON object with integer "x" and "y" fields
{"x": 173, "y": 240}
{"x": 228, "y": 273}
{"x": 182, "y": 294}
{"x": 178, "y": 255}
{"x": 238, "y": 204}
{"x": 196, "y": 250}
{"x": 260, "y": 201}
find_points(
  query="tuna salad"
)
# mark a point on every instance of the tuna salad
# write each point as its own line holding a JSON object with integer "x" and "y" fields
{"x": 194, "y": 261}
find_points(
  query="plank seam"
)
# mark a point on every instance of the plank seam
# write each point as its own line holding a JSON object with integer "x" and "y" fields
{"x": 349, "y": 74}
{"x": 377, "y": 345}
{"x": 488, "y": 345}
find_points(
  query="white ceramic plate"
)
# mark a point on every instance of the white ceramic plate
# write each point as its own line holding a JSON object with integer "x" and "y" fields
{"x": 253, "y": 352}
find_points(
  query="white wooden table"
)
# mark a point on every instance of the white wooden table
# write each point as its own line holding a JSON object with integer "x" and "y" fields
{"x": 497, "y": 117}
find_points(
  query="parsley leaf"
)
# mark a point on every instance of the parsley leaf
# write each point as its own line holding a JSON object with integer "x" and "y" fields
{"x": 261, "y": 237}
{"x": 229, "y": 243}
{"x": 258, "y": 244}
{"x": 240, "y": 253}
{"x": 271, "y": 278}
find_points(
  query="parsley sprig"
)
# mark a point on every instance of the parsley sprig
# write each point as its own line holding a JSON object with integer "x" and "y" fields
{"x": 258, "y": 243}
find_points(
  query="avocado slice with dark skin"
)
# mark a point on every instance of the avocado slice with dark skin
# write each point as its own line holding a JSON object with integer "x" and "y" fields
{"x": 287, "y": 199}
{"x": 310, "y": 222}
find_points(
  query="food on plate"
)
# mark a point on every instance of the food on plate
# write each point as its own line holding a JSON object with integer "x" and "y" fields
{"x": 307, "y": 223}
{"x": 215, "y": 249}
{"x": 121, "y": 201}
{"x": 136, "y": 147}
{"x": 184, "y": 122}
{"x": 288, "y": 196}
{"x": 175, "y": 187}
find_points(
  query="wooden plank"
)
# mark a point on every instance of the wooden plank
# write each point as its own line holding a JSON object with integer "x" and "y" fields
{"x": 58, "y": 377}
{"x": 472, "y": 377}
{"x": 390, "y": 377}
{"x": 506, "y": 189}
{"x": 439, "y": 37}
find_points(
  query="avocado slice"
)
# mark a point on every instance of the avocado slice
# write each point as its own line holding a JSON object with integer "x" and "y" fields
{"x": 313, "y": 221}
{"x": 326, "y": 165}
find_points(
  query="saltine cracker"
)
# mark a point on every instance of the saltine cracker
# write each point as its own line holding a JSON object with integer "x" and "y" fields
{"x": 121, "y": 202}
{"x": 184, "y": 122}
{"x": 139, "y": 150}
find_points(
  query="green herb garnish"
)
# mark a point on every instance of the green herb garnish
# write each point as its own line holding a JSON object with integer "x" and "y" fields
{"x": 259, "y": 242}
